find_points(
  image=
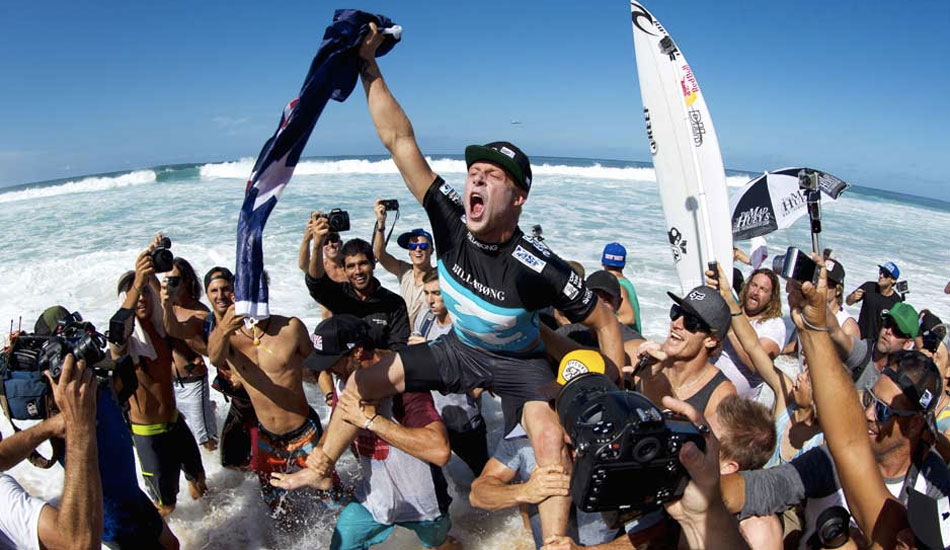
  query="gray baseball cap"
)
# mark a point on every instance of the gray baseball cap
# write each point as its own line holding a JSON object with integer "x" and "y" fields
{"x": 706, "y": 303}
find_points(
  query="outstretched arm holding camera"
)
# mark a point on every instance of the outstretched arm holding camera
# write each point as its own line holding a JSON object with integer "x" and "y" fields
{"x": 319, "y": 227}
{"x": 880, "y": 515}
{"x": 748, "y": 340}
{"x": 143, "y": 282}
{"x": 387, "y": 260}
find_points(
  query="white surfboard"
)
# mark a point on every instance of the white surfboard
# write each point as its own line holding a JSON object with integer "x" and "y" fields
{"x": 685, "y": 153}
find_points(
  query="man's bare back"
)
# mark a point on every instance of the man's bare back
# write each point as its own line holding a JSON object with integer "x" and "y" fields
{"x": 271, "y": 369}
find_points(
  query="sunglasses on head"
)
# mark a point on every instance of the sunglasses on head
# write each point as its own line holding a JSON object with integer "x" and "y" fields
{"x": 882, "y": 411}
{"x": 888, "y": 322}
{"x": 691, "y": 322}
{"x": 420, "y": 246}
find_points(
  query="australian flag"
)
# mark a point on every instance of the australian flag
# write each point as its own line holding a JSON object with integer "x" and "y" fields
{"x": 333, "y": 74}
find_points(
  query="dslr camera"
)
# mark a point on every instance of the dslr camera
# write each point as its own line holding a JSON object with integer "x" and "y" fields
{"x": 390, "y": 204}
{"x": 339, "y": 220}
{"x": 29, "y": 356}
{"x": 162, "y": 258}
{"x": 627, "y": 451}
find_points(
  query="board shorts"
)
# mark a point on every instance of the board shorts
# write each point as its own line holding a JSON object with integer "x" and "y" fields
{"x": 165, "y": 450}
{"x": 193, "y": 396}
{"x": 448, "y": 365}
{"x": 284, "y": 453}
{"x": 357, "y": 530}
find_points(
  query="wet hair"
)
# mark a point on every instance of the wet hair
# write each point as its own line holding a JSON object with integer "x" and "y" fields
{"x": 222, "y": 272}
{"x": 749, "y": 437}
{"x": 353, "y": 247}
{"x": 774, "y": 307}
{"x": 429, "y": 276}
{"x": 125, "y": 282}
{"x": 188, "y": 277}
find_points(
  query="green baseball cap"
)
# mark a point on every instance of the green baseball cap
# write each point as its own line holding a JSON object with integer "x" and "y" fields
{"x": 906, "y": 318}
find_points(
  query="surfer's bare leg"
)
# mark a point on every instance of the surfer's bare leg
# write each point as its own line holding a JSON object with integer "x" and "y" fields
{"x": 372, "y": 383}
{"x": 547, "y": 440}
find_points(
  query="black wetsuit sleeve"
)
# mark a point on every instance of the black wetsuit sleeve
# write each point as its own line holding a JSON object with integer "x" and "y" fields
{"x": 398, "y": 326}
{"x": 326, "y": 292}
{"x": 444, "y": 207}
{"x": 572, "y": 298}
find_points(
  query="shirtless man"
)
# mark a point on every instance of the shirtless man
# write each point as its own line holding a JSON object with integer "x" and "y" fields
{"x": 266, "y": 359}
{"x": 181, "y": 291}
{"x": 163, "y": 441}
{"x": 240, "y": 425}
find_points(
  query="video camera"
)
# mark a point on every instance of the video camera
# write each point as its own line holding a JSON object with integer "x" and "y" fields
{"x": 627, "y": 451}
{"x": 24, "y": 362}
{"x": 339, "y": 220}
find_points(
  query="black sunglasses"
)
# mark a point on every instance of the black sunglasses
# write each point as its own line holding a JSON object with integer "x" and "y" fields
{"x": 888, "y": 322}
{"x": 882, "y": 411}
{"x": 691, "y": 322}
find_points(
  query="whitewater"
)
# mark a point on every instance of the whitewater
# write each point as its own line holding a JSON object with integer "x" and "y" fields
{"x": 67, "y": 242}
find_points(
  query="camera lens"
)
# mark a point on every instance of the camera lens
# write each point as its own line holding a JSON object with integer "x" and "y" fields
{"x": 646, "y": 449}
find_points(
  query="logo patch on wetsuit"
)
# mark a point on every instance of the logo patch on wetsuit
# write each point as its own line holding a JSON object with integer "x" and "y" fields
{"x": 529, "y": 259}
{"x": 542, "y": 248}
{"x": 572, "y": 288}
{"x": 452, "y": 194}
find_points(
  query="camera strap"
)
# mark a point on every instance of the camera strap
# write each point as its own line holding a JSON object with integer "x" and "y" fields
{"x": 391, "y": 229}
{"x": 35, "y": 458}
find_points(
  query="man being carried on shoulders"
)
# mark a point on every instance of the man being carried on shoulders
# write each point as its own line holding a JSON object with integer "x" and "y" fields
{"x": 493, "y": 279}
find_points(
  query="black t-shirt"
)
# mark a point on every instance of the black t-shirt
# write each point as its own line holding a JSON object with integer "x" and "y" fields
{"x": 872, "y": 305}
{"x": 494, "y": 291}
{"x": 384, "y": 310}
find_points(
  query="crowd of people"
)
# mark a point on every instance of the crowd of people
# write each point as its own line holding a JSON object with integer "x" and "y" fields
{"x": 806, "y": 418}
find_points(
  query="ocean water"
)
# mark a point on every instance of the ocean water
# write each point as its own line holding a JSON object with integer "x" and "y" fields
{"x": 67, "y": 242}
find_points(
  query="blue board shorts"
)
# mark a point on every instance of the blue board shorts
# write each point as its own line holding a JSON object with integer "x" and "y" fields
{"x": 357, "y": 530}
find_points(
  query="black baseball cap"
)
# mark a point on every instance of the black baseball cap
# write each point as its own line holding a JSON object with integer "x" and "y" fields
{"x": 706, "y": 303}
{"x": 506, "y": 155}
{"x": 603, "y": 280}
{"x": 335, "y": 337}
{"x": 918, "y": 378}
{"x": 835, "y": 271}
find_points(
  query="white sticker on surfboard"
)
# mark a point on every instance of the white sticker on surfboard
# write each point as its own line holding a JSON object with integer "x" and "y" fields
{"x": 685, "y": 151}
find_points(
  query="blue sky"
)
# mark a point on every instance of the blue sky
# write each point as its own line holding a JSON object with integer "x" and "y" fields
{"x": 855, "y": 88}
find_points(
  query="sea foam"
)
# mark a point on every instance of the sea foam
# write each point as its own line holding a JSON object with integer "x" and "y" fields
{"x": 85, "y": 185}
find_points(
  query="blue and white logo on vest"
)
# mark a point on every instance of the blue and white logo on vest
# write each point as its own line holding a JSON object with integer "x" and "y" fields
{"x": 529, "y": 259}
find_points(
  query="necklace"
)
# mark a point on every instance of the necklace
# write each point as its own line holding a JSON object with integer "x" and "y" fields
{"x": 688, "y": 385}
{"x": 255, "y": 336}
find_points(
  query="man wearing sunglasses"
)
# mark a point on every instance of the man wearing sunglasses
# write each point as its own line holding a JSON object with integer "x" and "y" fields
{"x": 875, "y": 298}
{"x": 419, "y": 244}
{"x": 866, "y": 358}
{"x": 899, "y": 412}
{"x": 698, "y": 325}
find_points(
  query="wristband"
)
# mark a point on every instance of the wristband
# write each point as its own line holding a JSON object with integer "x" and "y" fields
{"x": 813, "y": 327}
{"x": 736, "y": 314}
{"x": 368, "y": 425}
